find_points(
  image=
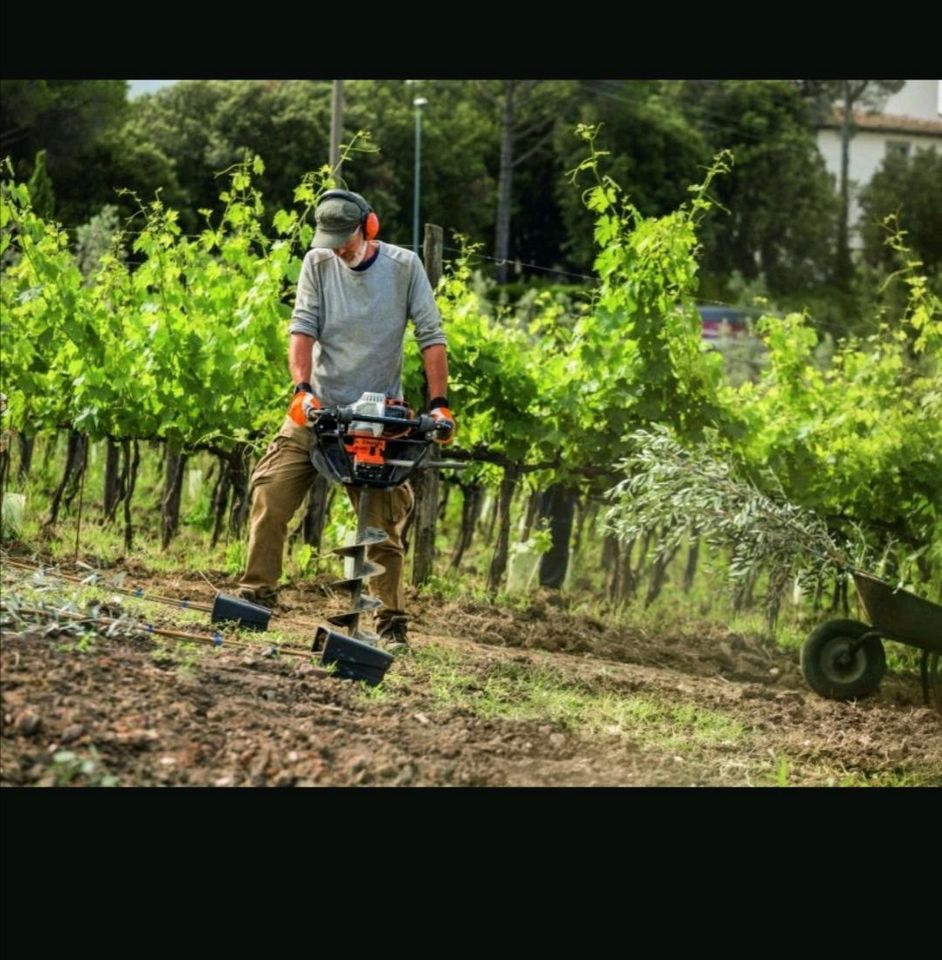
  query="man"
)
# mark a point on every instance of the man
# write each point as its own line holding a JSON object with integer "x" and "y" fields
{"x": 354, "y": 296}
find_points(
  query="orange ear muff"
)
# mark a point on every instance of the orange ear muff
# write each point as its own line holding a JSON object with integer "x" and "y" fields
{"x": 369, "y": 221}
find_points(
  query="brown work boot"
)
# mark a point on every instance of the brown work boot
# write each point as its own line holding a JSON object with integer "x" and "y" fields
{"x": 263, "y": 596}
{"x": 392, "y": 634}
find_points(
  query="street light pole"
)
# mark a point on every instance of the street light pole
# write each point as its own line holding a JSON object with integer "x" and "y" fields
{"x": 418, "y": 103}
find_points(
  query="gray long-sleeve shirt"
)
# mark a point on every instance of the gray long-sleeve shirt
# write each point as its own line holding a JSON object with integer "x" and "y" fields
{"x": 358, "y": 320}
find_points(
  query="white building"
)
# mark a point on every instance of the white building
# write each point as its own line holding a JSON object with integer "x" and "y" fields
{"x": 909, "y": 120}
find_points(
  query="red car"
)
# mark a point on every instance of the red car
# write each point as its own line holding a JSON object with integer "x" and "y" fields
{"x": 723, "y": 322}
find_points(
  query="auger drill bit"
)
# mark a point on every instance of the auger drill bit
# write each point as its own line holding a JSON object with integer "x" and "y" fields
{"x": 357, "y": 569}
{"x": 354, "y": 653}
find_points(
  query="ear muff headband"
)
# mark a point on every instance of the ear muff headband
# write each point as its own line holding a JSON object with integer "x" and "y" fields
{"x": 368, "y": 220}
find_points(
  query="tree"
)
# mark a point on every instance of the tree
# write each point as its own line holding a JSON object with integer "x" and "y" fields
{"x": 40, "y": 188}
{"x": 68, "y": 119}
{"x": 530, "y": 111}
{"x": 654, "y": 154}
{"x": 849, "y": 94}
{"x": 202, "y": 127}
{"x": 779, "y": 197}
{"x": 96, "y": 238}
{"x": 459, "y": 144}
{"x": 187, "y": 134}
{"x": 912, "y": 188}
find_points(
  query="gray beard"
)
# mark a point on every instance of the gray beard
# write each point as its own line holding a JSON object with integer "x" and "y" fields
{"x": 357, "y": 259}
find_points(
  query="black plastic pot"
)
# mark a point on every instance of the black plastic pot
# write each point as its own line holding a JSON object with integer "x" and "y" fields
{"x": 250, "y": 615}
{"x": 355, "y": 659}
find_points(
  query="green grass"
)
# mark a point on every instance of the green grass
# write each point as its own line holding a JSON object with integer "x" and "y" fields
{"x": 184, "y": 654}
{"x": 384, "y": 692}
{"x": 784, "y": 771}
{"x": 68, "y": 765}
{"x": 523, "y": 692}
{"x": 893, "y": 778}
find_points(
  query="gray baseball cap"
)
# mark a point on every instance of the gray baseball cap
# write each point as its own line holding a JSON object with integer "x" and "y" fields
{"x": 336, "y": 221}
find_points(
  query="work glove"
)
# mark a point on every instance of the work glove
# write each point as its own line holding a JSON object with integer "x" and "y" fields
{"x": 444, "y": 420}
{"x": 303, "y": 405}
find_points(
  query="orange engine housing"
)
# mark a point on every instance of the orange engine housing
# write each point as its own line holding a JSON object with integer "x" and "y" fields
{"x": 365, "y": 448}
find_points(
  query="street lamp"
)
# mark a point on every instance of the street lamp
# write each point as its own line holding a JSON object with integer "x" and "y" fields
{"x": 418, "y": 103}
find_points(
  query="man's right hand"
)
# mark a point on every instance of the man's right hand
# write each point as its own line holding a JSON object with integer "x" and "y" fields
{"x": 303, "y": 405}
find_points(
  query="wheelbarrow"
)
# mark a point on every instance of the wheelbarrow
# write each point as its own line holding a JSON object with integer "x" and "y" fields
{"x": 845, "y": 659}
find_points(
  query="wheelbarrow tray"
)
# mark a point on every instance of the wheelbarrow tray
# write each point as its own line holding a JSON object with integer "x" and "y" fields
{"x": 900, "y": 615}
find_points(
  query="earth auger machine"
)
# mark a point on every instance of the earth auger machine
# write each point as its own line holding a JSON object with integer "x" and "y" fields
{"x": 372, "y": 444}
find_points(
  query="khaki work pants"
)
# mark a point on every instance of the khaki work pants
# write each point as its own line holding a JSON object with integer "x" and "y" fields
{"x": 281, "y": 479}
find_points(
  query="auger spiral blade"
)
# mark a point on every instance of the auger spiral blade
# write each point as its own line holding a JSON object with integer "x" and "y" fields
{"x": 354, "y": 654}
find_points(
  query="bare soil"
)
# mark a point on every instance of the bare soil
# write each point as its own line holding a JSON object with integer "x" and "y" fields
{"x": 479, "y": 703}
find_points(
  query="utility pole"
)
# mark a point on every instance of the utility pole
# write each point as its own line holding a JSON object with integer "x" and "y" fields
{"x": 336, "y": 126}
{"x": 312, "y": 527}
{"x": 425, "y": 483}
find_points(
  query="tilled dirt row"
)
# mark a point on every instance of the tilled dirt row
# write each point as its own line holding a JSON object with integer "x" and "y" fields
{"x": 491, "y": 697}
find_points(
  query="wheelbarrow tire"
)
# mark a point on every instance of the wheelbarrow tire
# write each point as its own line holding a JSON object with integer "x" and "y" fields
{"x": 832, "y": 671}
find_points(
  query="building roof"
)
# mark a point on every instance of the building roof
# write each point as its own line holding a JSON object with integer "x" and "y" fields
{"x": 889, "y": 123}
